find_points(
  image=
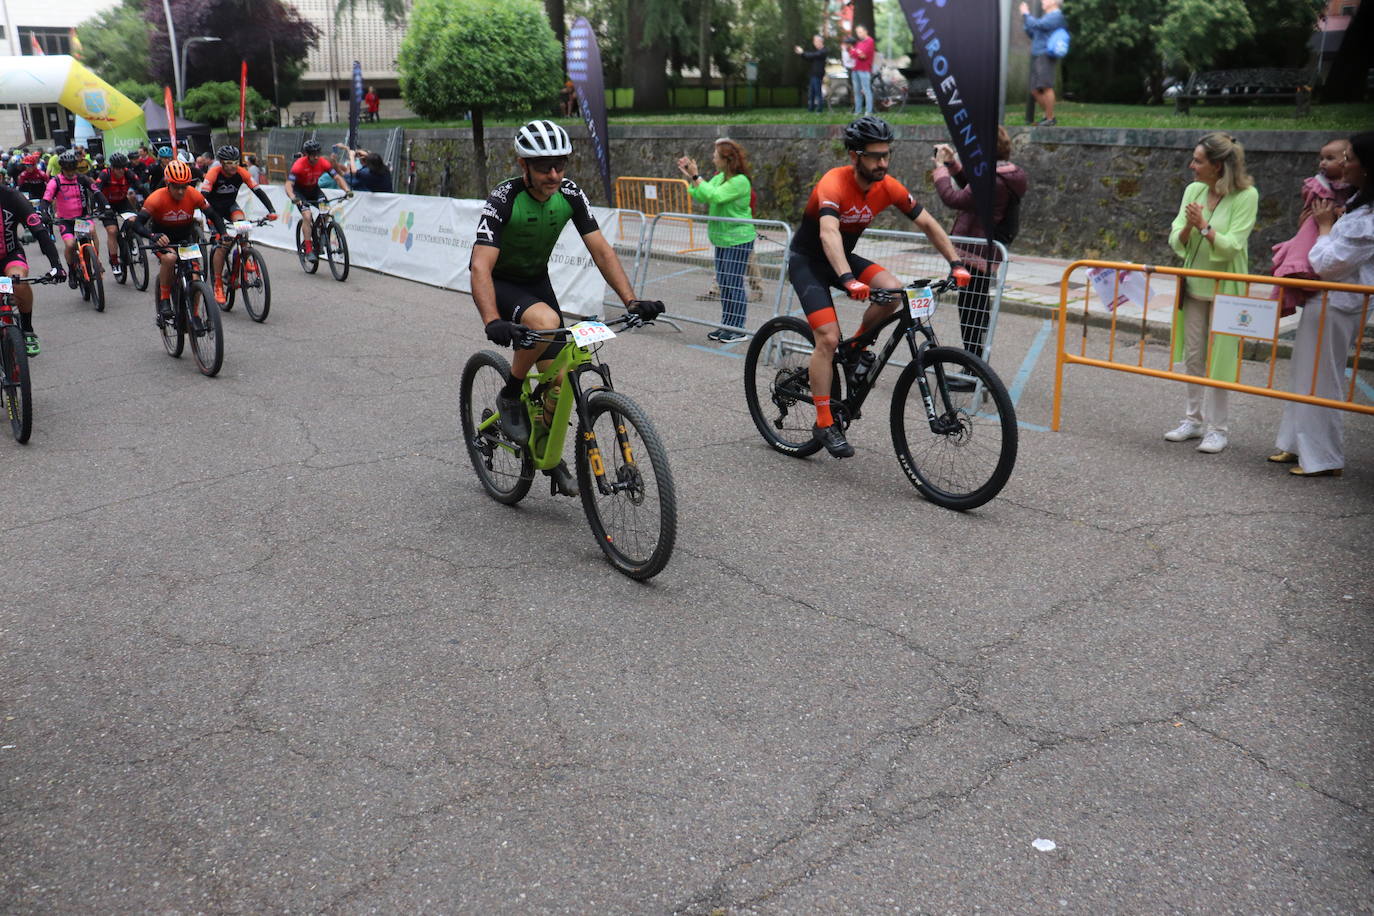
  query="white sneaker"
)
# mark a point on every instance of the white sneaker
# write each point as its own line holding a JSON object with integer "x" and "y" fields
{"x": 1188, "y": 429}
{"x": 1212, "y": 443}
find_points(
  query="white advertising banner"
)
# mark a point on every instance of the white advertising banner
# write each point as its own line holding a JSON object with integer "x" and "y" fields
{"x": 1245, "y": 317}
{"x": 429, "y": 239}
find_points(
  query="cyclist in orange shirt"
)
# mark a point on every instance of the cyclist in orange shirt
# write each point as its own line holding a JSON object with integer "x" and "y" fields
{"x": 168, "y": 217}
{"x": 822, "y": 254}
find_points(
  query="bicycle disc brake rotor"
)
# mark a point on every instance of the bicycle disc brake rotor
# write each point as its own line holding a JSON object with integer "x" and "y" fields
{"x": 630, "y": 482}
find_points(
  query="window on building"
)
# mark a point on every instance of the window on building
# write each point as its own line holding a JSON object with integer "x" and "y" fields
{"x": 52, "y": 41}
{"x": 1348, "y": 10}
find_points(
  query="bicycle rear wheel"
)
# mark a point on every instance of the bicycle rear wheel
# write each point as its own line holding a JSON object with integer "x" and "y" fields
{"x": 636, "y": 523}
{"x": 254, "y": 285}
{"x": 124, "y": 257}
{"x": 504, "y": 468}
{"x": 205, "y": 329}
{"x": 964, "y": 458}
{"x": 336, "y": 249}
{"x": 16, "y": 388}
{"x": 137, "y": 266}
{"x": 777, "y": 385}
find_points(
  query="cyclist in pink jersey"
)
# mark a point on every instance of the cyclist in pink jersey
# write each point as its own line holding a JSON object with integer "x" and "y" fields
{"x": 66, "y": 201}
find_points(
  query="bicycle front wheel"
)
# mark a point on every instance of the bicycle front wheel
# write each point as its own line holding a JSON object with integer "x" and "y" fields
{"x": 16, "y": 388}
{"x": 964, "y": 457}
{"x": 125, "y": 256}
{"x": 777, "y": 385}
{"x": 254, "y": 285}
{"x": 97, "y": 280}
{"x": 336, "y": 250}
{"x": 173, "y": 330}
{"x": 308, "y": 264}
{"x": 635, "y": 520}
{"x": 505, "y": 469}
{"x": 205, "y": 329}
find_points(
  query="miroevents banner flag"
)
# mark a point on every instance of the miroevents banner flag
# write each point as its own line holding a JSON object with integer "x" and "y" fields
{"x": 355, "y": 105}
{"x": 960, "y": 44}
{"x": 584, "y": 69}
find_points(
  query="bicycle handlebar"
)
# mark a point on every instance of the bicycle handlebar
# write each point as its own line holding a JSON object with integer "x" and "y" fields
{"x": 42, "y": 280}
{"x": 531, "y": 337}
{"x": 878, "y": 294}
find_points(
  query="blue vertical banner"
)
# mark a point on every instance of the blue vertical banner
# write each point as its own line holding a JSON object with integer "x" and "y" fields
{"x": 355, "y": 105}
{"x": 960, "y": 43}
{"x": 584, "y": 69}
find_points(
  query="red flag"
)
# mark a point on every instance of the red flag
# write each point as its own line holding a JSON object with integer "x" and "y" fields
{"x": 35, "y": 46}
{"x": 243, "y": 103}
{"x": 171, "y": 118}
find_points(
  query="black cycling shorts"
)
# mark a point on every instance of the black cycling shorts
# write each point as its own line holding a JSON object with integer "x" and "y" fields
{"x": 123, "y": 206}
{"x": 813, "y": 278}
{"x": 313, "y": 194}
{"x": 188, "y": 235}
{"x": 512, "y": 298}
{"x": 14, "y": 256}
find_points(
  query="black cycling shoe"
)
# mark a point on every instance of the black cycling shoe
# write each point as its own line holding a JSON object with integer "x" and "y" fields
{"x": 164, "y": 312}
{"x": 561, "y": 480}
{"x": 834, "y": 441}
{"x": 515, "y": 420}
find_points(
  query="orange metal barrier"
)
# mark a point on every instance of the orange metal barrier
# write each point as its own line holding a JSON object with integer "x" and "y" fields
{"x": 276, "y": 168}
{"x": 1268, "y": 333}
{"x": 652, "y": 196}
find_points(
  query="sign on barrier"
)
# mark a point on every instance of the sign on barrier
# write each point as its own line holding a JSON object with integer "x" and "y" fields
{"x": 430, "y": 239}
{"x": 652, "y": 196}
{"x": 730, "y": 288}
{"x": 1251, "y": 316}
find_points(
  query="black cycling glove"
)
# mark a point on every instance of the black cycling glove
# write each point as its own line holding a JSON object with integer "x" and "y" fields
{"x": 647, "y": 309}
{"x": 502, "y": 332}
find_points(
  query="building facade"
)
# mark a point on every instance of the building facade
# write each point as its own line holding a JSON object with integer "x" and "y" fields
{"x": 328, "y": 77}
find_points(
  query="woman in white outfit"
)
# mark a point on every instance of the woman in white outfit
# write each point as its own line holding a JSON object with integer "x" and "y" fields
{"x": 1311, "y": 436}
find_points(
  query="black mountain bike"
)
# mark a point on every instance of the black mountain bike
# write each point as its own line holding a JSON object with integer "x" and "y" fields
{"x": 327, "y": 237}
{"x": 955, "y": 433}
{"x": 16, "y": 388}
{"x": 194, "y": 312}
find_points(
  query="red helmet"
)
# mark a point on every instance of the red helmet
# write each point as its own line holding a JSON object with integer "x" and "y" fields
{"x": 31, "y": 159}
{"x": 177, "y": 172}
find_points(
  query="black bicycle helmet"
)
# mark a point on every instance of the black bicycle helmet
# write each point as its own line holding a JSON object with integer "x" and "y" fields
{"x": 227, "y": 153}
{"x": 310, "y": 146}
{"x": 866, "y": 130}
{"x": 119, "y": 161}
{"x": 68, "y": 157}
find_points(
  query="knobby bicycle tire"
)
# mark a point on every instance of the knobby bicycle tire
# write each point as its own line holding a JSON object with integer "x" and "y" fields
{"x": 635, "y": 526}
{"x": 307, "y": 264}
{"x": 97, "y": 282}
{"x": 254, "y": 285}
{"x": 207, "y": 345}
{"x": 83, "y": 275}
{"x": 336, "y": 247}
{"x": 174, "y": 331}
{"x": 124, "y": 257}
{"x": 777, "y": 385}
{"x": 17, "y": 386}
{"x": 968, "y": 462}
{"x": 226, "y": 277}
{"x": 138, "y": 264}
{"x": 505, "y": 469}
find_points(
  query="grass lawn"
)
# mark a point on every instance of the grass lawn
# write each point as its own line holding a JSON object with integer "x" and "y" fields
{"x": 1337, "y": 118}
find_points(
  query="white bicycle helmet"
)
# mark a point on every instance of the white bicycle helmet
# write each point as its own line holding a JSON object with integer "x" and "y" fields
{"x": 542, "y": 138}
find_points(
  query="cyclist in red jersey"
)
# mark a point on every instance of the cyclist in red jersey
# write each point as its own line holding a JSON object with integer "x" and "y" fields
{"x": 821, "y": 257}
{"x": 117, "y": 184}
{"x": 303, "y": 185}
{"x": 168, "y": 217}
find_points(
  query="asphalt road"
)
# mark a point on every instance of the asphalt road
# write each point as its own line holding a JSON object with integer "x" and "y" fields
{"x": 266, "y": 646}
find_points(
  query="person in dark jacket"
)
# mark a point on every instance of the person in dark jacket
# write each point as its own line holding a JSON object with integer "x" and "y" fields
{"x": 373, "y": 175}
{"x": 975, "y": 301}
{"x": 816, "y": 56}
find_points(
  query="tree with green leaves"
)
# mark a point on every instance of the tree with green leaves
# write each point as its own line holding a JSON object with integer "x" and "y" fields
{"x": 139, "y": 92}
{"x": 393, "y": 11}
{"x": 479, "y": 56}
{"x": 115, "y": 43}
{"x": 217, "y": 104}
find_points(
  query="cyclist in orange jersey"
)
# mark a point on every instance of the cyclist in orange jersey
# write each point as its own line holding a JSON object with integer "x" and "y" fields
{"x": 168, "y": 217}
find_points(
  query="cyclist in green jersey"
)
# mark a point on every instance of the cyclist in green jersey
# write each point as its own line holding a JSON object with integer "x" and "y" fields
{"x": 520, "y": 224}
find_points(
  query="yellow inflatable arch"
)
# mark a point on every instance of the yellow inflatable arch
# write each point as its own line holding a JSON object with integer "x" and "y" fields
{"x": 60, "y": 78}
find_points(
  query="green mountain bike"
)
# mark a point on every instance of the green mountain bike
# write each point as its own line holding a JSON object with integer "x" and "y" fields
{"x": 622, "y": 467}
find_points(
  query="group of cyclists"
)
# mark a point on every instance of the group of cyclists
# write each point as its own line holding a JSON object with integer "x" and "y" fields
{"x": 46, "y": 198}
{"x": 522, "y": 218}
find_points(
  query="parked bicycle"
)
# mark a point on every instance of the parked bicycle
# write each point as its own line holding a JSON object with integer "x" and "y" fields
{"x": 954, "y": 434}
{"x": 193, "y": 311}
{"x": 627, "y": 491}
{"x": 89, "y": 271}
{"x": 245, "y": 272}
{"x": 889, "y": 91}
{"x": 16, "y": 388}
{"x": 327, "y": 237}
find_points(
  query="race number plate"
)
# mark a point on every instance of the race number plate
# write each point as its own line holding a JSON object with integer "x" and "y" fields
{"x": 6, "y": 285}
{"x": 188, "y": 252}
{"x": 125, "y": 216}
{"x": 241, "y": 227}
{"x": 586, "y": 333}
{"x": 84, "y": 227}
{"x": 921, "y": 302}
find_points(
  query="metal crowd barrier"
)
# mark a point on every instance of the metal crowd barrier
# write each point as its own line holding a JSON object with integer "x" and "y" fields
{"x": 910, "y": 256}
{"x": 628, "y": 242}
{"x": 652, "y": 196}
{"x": 1250, "y": 317}
{"x": 688, "y": 278}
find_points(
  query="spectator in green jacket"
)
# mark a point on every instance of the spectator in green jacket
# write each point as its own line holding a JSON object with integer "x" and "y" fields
{"x": 728, "y": 194}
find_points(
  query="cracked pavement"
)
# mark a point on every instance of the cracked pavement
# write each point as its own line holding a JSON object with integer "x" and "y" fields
{"x": 267, "y": 646}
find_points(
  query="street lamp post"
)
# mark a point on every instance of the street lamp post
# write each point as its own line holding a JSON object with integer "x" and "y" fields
{"x": 181, "y": 76}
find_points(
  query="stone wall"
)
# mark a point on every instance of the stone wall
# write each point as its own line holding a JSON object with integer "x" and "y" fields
{"x": 1100, "y": 193}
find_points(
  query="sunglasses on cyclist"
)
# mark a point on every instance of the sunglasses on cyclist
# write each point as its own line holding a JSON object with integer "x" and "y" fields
{"x": 877, "y": 157}
{"x": 544, "y": 165}
{"x": 229, "y": 163}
